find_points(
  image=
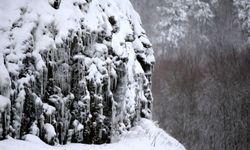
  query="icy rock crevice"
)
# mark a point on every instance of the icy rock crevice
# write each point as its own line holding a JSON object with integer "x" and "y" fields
{"x": 82, "y": 70}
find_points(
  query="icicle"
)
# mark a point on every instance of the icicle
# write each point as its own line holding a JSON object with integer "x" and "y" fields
{"x": 5, "y": 82}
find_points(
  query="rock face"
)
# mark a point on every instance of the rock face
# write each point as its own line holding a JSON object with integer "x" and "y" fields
{"x": 74, "y": 70}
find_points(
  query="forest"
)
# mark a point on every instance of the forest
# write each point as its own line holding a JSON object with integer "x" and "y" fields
{"x": 201, "y": 80}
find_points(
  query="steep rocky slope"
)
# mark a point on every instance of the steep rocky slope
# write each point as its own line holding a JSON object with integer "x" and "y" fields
{"x": 72, "y": 70}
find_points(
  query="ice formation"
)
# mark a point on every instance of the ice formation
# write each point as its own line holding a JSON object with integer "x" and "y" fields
{"x": 73, "y": 70}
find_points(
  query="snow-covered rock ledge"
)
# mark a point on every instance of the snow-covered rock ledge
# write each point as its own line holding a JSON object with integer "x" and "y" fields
{"x": 145, "y": 136}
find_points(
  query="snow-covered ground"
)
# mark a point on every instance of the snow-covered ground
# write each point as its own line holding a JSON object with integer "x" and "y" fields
{"x": 145, "y": 136}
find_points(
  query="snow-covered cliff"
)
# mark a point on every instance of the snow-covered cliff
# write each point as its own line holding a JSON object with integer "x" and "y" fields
{"x": 73, "y": 70}
{"x": 76, "y": 68}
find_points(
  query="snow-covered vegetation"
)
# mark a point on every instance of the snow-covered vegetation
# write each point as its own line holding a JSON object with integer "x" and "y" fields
{"x": 243, "y": 13}
{"x": 175, "y": 16}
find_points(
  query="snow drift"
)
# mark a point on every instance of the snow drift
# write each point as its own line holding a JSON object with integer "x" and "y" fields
{"x": 145, "y": 136}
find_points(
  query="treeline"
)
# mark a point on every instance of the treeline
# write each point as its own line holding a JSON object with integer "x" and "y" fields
{"x": 205, "y": 98}
{"x": 201, "y": 85}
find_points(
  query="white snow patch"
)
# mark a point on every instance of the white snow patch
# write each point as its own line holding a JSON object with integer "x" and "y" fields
{"x": 4, "y": 103}
{"x": 4, "y": 79}
{"x": 145, "y": 136}
{"x": 50, "y": 132}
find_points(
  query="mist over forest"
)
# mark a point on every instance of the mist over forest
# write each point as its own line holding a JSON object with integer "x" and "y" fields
{"x": 201, "y": 80}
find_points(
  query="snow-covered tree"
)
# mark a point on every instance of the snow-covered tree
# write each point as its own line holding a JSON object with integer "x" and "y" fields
{"x": 174, "y": 21}
{"x": 181, "y": 20}
{"x": 243, "y": 11}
